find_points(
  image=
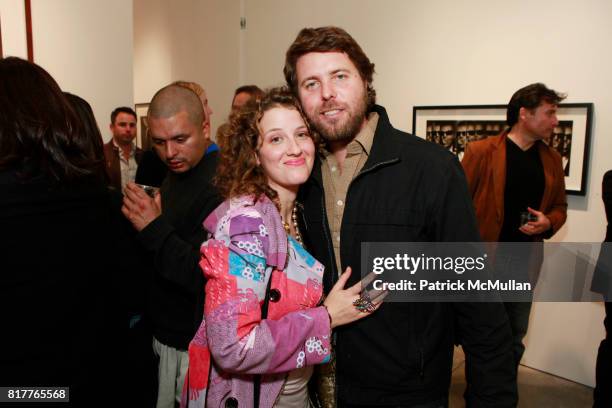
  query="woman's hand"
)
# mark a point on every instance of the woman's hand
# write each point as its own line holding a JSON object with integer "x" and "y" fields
{"x": 340, "y": 302}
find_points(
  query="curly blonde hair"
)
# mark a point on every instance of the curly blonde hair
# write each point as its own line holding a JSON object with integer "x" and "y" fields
{"x": 238, "y": 172}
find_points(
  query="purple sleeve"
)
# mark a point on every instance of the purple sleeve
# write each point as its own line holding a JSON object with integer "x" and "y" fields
{"x": 239, "y": 340}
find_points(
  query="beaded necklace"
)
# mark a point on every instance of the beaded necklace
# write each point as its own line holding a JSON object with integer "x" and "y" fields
{"x": 298, "y": 236}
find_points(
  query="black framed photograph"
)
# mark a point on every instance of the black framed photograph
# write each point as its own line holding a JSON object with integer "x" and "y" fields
{"x": 142, "y": 136}
{"x": 454, "y": 126}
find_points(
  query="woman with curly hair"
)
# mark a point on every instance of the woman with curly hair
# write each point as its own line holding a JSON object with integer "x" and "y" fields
{"x": 264, "y": 324}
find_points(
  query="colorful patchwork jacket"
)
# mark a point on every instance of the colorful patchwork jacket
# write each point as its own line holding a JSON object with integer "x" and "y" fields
{"x": 248, "y": 247}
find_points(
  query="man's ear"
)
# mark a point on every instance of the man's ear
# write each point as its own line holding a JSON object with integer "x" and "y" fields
{"x": 206, "y": 129}
{"x": 523, "y": 113}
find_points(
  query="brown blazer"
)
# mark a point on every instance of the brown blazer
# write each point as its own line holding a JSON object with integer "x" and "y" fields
{"x": 113, "y": 167}
{"x": 484, "y": 163}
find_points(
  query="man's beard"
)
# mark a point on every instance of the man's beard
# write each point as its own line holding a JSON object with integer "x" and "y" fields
{"x": 345, "y": 131}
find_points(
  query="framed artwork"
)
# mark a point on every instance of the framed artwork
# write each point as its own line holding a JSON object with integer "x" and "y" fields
{"x": 1, "y": 52}
{"x": 17, "y": 40}
{"x": 142, "y": 137}
{"x": 454, "y": 126}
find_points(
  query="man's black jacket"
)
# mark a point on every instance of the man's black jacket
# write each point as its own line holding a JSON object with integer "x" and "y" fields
{"x": 177, "y": 288}
{"x": 409, "y": 190}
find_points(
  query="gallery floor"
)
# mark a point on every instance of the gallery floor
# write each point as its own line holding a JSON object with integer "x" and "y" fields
{"x": 536, "y": 388}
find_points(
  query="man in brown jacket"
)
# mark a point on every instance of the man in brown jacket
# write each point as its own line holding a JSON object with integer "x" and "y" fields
{"x": 517, "y": 184}
{"x": 121, "y": 154}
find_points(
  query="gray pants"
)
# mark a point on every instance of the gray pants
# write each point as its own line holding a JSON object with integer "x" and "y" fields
{"x": 172, "y": 369}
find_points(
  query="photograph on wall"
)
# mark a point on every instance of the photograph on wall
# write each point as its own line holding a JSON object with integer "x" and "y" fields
{"x": 453, "y": 127}
{"x": 453, "y": 135}
{"x": 143, "y": 140}
{"x": 561, "y": 141}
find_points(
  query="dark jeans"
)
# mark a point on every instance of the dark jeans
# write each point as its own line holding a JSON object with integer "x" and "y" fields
{"x": 518, "y": 316}
{"x": 602, "y": 395}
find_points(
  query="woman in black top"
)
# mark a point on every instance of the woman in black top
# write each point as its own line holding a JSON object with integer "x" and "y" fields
{"x": 61, "y": 306}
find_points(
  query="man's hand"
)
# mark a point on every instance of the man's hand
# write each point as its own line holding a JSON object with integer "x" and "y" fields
{"x": 138, "y": 207}
{"x": 539, "y": 226}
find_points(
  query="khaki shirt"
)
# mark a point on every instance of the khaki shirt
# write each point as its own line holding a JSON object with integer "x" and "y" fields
{"x": 337, "y": 179}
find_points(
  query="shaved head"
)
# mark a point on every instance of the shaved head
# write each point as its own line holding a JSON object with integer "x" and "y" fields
{"x": 197, "y": 88}
{"x": 173, "y": 99}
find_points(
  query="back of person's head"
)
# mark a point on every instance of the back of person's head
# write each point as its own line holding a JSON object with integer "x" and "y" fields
{"x": 121, "y": 109}
{"x": 91, "y": 138}
{"x": 39, "y": 129}
{"x": 530, "y": 97}
{"x": 173, "y": 99}
{"x": 253, "y": 91}
{"x": 239, "y": 172}
{"x": 328, "y": 39}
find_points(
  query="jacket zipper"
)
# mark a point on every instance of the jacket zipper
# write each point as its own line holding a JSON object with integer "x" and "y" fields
{"x": 369, "y": 169}
{"x": 330, "y": 246}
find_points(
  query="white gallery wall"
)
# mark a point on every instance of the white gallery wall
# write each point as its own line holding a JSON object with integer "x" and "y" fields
{"x": 427, "y": 52}
{"x": 13, "y": 25}
{"x": 86, "y": 45}
{"x": 189, "y": 40}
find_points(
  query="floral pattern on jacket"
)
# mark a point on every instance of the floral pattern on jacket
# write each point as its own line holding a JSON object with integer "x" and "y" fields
{"x": 248, "y": 247}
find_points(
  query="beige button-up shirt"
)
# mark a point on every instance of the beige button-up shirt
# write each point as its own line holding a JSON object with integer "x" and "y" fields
{"x": 128, "y": 167}
{"x": 337, "y": 178}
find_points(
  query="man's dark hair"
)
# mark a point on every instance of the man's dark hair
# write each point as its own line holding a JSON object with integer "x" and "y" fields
{"x": 252, "y": 90}
{"x": 39, "y": 129}
{"x": 122, "y": 109}
{"x": 328, "y": 39}
{"x": 530, "y": 97}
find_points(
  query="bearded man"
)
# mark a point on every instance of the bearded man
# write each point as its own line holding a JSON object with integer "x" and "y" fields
{"x": 373, "y": 183}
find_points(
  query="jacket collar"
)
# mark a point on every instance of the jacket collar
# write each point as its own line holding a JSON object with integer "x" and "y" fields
{"x": 383, "y": 150}
{"x": 384, "y": 147}
{"x": 499, "y": 171}
{"x": 278, "y": 247}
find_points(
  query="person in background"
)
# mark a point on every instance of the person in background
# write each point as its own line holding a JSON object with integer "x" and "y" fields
{"x": 61, "y": 303}
{"x": 152, "y": 170}
{"x": 122, "y": 155}
{"x": 517, "y": 175}
{"x": 602, "y": 283}
{"x": 242, "y": 95}
{"x": 201, "y": 93}
{"x": 170, "y": 228}
{"x": 132, "y": 285}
